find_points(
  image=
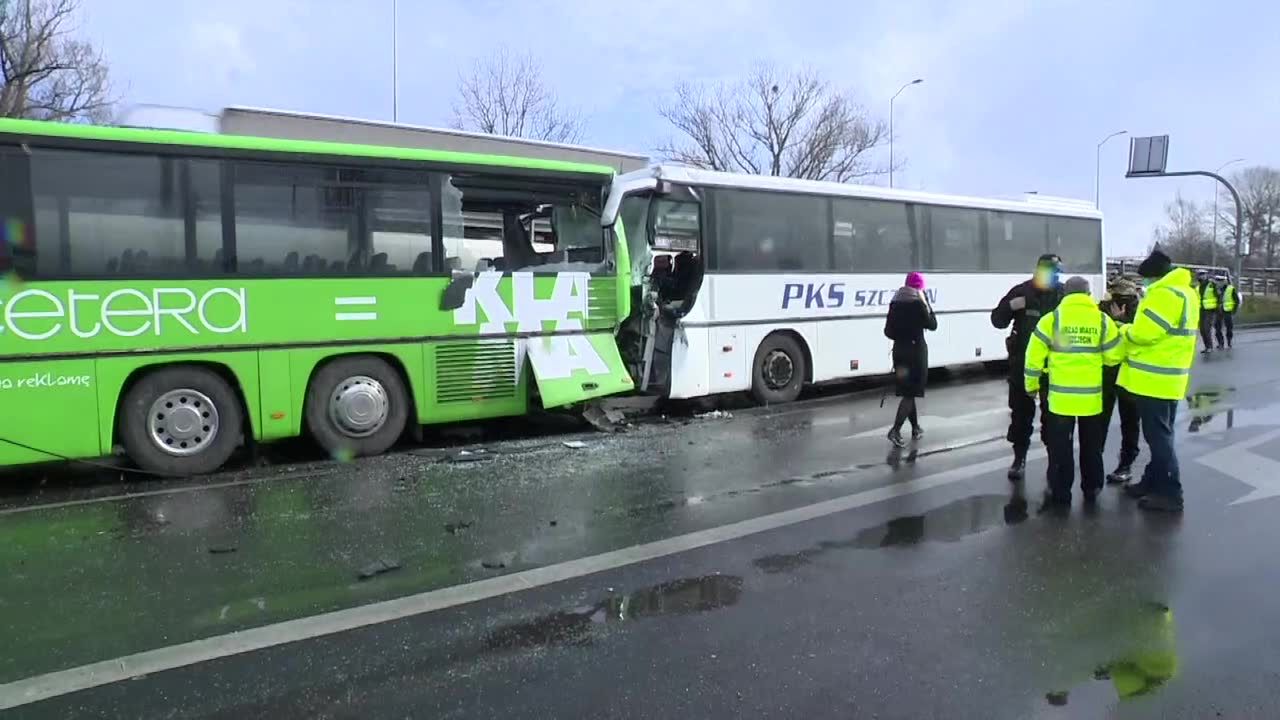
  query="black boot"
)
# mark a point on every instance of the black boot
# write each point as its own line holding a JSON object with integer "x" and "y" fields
{"x": 1122, "y": 475}
{"x": 1019, "y": 467}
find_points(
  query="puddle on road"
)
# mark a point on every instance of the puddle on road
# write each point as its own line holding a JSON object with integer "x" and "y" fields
{"x": 686, "y": 596}
{"x": 948, "y": 523}
{"x": 1207, "y": 402}
{"x": 1147, "y": 662}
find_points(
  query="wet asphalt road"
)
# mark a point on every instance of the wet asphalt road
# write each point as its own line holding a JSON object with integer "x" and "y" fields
{"x": 931, "y": 590}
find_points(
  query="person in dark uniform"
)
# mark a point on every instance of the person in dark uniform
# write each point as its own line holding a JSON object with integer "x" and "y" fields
{"x": 1023, "y": 306}
{"x": 1121, "y": 304}
{"x": 909, "y": 316}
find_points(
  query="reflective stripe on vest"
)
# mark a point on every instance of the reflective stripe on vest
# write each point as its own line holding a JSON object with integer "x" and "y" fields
{"x": 1162, "y": 370}
{"x": 1075, "y": 370}
{"x": 1209, "y": 297}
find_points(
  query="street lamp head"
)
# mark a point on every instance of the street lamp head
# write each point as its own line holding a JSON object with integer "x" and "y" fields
{"x": 917, "y": 81}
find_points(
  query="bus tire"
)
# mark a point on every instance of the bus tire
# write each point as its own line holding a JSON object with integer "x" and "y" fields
{"x": 778, "y": 372}
{"x": 180, "y": 421}
{"x": 356, "y": 406}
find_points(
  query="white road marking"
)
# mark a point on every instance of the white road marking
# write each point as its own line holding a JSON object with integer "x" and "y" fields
{"x": 62, "y": 682}
{"x": 356, "y": 316}
{"x": 1257, "y": 471}
{"x": 930, "y": 422}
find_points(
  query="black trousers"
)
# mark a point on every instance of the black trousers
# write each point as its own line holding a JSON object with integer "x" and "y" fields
{"x": 1022, "y": 410}
{"x": 1059, "y": 436}
{"x": 1208, "y": 318}
{"x": 1228, "y": 320}
{"x": 1130, "y": 418}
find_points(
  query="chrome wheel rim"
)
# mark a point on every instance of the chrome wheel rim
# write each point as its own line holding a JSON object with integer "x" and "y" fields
{"x": 358, "y": 406}
{"x": 183, "y": 422}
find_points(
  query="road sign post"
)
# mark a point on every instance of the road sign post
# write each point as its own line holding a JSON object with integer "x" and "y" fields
{"x": 1149, "y": 157}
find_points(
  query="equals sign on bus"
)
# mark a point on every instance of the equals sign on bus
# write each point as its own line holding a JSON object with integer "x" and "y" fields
{"x": 355, "y": 302}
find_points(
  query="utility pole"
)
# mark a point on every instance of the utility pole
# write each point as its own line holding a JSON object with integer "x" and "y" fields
{"x": 1215, "y": 211}
{"x": 917, "y": 81}
{"x": 1097, "y": 167}
{"x": 395, "y": 62}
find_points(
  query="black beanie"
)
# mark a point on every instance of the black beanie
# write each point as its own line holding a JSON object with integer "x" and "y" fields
{"x": 1157, "y": 265}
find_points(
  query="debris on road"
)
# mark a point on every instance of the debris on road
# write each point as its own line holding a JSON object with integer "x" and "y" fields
{"x": 494, "y": 564}
{"x": 604, "y": 419}
{"x": 455, "y": 528}
{"x": 715, "y": 415}
{"x": 378, "y": 567}
{"x": 222, "y": 549}
{"x": 574, "y": 444}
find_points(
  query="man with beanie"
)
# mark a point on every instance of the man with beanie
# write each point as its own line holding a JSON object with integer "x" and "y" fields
{"x": 1023, "y": 306}
{"x": 1160, "y": 347}
{"x": 1067, "y": 352}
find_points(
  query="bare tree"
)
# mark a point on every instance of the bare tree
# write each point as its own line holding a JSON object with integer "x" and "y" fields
{"x": 1185, "y": 235}
{"x": 1259, "y": 189}
{"x": 792, "y": 124}
{"x": 47, "y": 74}
{"x": 504, "y": 94}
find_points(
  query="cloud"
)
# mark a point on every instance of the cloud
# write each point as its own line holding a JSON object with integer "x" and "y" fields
{"x": 217, "y": 55}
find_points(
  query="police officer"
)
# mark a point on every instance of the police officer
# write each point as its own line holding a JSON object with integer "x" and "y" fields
{"x": 1230, "y": 304}
{"x": 1120, "y": 304}
{"x": 1071, "y": 345}
{"x": 1023, "y": 306}
{"x": 1208, "y": 309}
{"x": 1160, "y": 347}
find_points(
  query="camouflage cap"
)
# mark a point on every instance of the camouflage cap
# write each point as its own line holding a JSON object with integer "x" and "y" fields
{"x": 1122, "y": 287}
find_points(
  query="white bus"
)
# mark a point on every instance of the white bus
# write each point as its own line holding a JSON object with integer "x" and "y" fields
{"x": 745, "y": 282}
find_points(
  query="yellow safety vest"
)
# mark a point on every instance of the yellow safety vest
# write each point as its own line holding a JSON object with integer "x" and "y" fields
{"x": 1209, "y": 296}
{"x": 1229, "y": 298}
{"x": 1073, "y": 342}
{"x": 1160, "y": 345}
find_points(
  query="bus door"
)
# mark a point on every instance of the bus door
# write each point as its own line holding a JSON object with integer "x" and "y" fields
{"x": 664, "y": 226}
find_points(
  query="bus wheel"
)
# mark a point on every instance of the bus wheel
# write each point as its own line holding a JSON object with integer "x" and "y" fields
{"x": 180, "y": 421}
{"x": 779, "y": 370}
{"x": 356, "y": 406}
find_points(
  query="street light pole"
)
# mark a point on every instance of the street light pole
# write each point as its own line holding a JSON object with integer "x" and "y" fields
{"x": 1097, "y": 167}
{"x": 1214, "y": 255}
{"x": 917, "y": 81}
{"x": 395, "y": 62}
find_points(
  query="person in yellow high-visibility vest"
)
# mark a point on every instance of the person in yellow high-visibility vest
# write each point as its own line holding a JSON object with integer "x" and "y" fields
{"x": 1071, "y": 345}
{"x": 1160, "y": 347}
{"x": 1208, "y": 309}
{"x": 1227, "y": 317}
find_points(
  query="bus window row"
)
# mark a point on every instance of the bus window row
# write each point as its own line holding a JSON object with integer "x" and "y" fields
{"x": 102, "y": 214}
{"x": 760, "y": 231}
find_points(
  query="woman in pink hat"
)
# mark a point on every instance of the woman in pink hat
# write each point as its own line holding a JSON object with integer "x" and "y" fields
{"x": 909, "y": 316}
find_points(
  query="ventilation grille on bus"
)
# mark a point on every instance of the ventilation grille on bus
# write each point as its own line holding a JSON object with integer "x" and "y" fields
{"x": 474, "y": 371}
{"x": 602, "y": 303}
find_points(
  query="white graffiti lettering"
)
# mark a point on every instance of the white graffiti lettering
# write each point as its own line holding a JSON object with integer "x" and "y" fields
{"x": 564, "y": 310}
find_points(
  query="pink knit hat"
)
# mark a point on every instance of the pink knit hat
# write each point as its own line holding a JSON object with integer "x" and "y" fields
{"x": 915, "y": 280}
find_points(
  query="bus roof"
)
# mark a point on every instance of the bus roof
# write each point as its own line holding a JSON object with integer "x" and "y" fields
{"x": 692, "y": 176}
{"x": 23, "y": 130}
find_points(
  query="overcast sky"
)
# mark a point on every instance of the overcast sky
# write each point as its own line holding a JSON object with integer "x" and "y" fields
{"x": 1015, "y": 98}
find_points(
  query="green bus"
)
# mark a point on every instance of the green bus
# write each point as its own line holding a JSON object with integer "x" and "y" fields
{"x": 172, "y": 296}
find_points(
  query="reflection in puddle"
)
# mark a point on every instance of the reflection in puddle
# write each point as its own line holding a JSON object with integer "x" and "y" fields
{"x": 949, "y": 523}
{"x": 1205, "y": 402}
{"x": 1149, "y": 660}
{"x": 573, "y": 627}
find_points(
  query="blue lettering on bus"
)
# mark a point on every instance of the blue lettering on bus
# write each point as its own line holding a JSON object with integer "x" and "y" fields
{"x": 832, "y": 295}
{"x": 814, "y": 295}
